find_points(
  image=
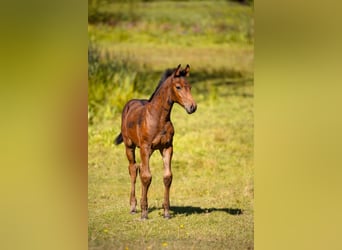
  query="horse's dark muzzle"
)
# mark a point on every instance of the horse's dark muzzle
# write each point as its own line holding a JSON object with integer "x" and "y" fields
{"x": 191, "y": 109}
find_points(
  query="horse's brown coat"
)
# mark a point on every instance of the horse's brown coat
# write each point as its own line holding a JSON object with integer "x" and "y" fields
{"x": 146, "y": 124}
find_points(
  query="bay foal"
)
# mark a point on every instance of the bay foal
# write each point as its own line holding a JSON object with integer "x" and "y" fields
{"x": 146, "y": 124}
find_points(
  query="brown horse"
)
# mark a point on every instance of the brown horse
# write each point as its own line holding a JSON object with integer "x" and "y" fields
{"x": 146, "y": 124}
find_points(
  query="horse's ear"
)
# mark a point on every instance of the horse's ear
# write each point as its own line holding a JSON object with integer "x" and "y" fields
{"x": 187, "y": 70}
{"x": 177, "y": 71}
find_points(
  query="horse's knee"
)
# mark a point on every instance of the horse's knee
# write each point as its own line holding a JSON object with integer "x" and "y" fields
{"x": 168, "y": 180}
{"x": 146, "y": 178}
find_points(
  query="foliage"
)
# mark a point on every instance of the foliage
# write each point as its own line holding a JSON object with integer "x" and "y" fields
{"x": 111, "y": 83}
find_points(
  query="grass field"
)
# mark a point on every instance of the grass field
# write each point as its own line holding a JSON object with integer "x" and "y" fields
{"x": 212, "y": 191}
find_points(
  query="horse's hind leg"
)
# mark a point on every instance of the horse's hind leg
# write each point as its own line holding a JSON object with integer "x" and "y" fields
{"x": 132, "y": 168}
{"x": 167, "y": 156}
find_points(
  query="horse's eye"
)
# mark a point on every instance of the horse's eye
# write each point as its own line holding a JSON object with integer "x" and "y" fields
{"x": 178, "y": 87}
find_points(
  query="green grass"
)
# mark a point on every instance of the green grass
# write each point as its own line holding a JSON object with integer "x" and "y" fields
{"x": 175, "y": 23}
{"x": 213, "y": 181}
{"x": 212, "y": 191}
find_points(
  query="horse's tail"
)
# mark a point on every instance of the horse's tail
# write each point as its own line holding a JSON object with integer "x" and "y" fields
{"x": 118, "y": 139}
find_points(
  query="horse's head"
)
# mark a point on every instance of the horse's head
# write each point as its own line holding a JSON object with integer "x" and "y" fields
{"x": 181, "y": 89}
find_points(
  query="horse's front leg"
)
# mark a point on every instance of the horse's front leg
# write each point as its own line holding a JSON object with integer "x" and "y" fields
{"x": 146, "y": 178}
{"x": 167, "y": 156}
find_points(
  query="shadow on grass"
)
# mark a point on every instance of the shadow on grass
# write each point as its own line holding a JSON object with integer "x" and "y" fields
{"x": 188, "y": 210}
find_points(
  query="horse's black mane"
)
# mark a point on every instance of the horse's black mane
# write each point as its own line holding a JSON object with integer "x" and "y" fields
{"x": 165, "y": 75}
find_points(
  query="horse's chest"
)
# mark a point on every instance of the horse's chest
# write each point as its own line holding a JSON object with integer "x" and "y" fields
{"x": 164, "y": 136}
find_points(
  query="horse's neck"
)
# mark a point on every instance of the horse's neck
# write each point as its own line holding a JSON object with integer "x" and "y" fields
{"x": 161, "y": 105}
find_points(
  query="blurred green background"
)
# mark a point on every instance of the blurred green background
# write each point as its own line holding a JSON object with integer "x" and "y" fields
{"x": 132, "y": 42}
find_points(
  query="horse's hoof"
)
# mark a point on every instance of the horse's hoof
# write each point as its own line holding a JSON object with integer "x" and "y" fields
{"x": 133, "y": 210}
{"x": 144, "y": 214}
{"x": 167, "y": 216}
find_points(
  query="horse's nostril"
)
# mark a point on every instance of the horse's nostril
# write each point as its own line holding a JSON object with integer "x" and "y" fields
{"x": 193, "y": 108}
